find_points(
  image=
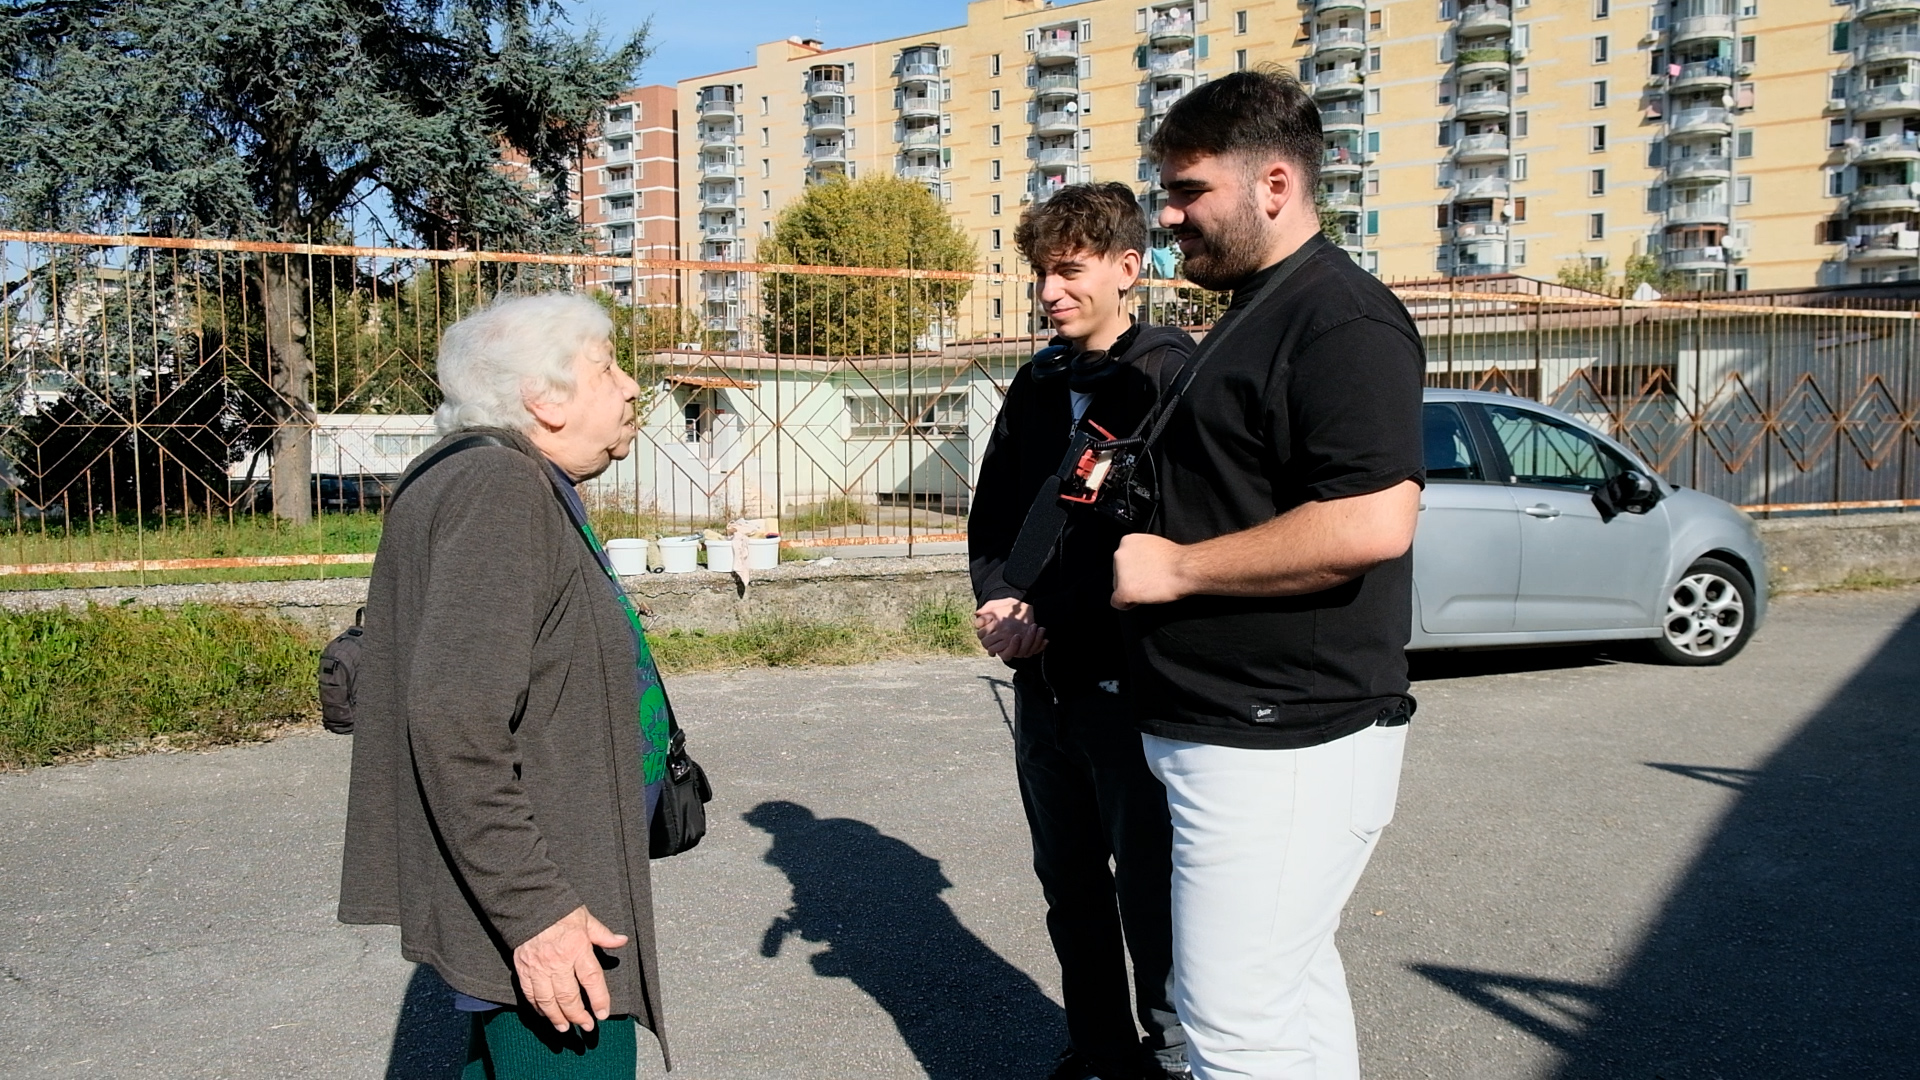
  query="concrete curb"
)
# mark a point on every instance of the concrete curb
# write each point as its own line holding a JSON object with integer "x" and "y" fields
{"x": 1815, "y": 553}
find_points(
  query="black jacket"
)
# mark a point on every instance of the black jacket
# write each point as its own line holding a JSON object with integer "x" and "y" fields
{"x": 1072, "y": 597}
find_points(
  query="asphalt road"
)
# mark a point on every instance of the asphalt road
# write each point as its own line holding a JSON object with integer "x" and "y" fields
{"x": 1600, "y": 869}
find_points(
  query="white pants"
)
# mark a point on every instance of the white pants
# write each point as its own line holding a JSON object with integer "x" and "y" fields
{"x": 1267, "y": 846}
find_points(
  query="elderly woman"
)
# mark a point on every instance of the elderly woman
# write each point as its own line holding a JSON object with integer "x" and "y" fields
{"x": 511, "y": 727}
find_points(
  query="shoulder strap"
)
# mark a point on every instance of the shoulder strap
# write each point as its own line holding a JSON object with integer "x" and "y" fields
{"x": 439, "y": 456}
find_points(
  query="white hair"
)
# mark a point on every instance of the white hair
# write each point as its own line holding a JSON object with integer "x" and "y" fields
{"x": 515, "y": 349}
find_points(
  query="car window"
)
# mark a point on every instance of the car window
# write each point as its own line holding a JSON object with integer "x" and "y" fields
{"x": 1450, "y": 453}
{"x": 1545, "y": 451}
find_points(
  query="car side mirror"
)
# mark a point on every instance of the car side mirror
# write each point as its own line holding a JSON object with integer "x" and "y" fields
{"x": 1631, "y": 492}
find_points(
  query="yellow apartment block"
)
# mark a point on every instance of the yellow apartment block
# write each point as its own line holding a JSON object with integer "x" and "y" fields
{"x": 1739, "y": 144}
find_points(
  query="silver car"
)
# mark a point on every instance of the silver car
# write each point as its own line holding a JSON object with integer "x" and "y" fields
{"x": 1536, "y": 530}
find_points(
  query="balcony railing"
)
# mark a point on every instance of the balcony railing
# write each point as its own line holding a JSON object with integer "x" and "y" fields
{"x": 1055, "y": 156}
{"x": 918, "y": 70}
{"x": 1477, "y": 269}
{"x": 1481, "y": 187}
{"x": 1884, "y": 244}
{"x": 826, "y": 88}
{"x": 610, "y": 212}
{"x": 827, "y": 121}
{"x": 1486, "y": 144}
{"x": 1066, "y": 82}
{"x": 1696, "y": 258}
{"x": 1320, "y": 6}
{"x": 721, "y": 294}
{"x": 1482, "y": 103}
{"x": 832, "y": 151}
{"x": 1170, "y": 27}
{"x": 1340, "y": 157}
{"x": 718, "y": 166}
{"x": 1056, "y": 48}
{"x": 1700, "y": 119}
{"x": 919, "y": 106}
{"x": 719, "y": 197}
{"x": 915, "y": 138}
{"x": 1056, "y": 121}
{"x": 1700, "y": 26}
{"x": 720, "y": 230}
{"x": 1495, "y": 55}
{"x": 716, "y": 105}
{"x": 1340, "y": 39}
{"x": 1889, "y": 45}
{"x": 1710, "y": 167}
{"x": 1347, "y": 117}
{"x": 919, "y": 172}
{"x": 1162, "y": 63}
{"x": 718, "y": 137}
{"x": 620, "y": 156}
{"x": 1883, "y": 197}
{"x": 1900, "y": 145}
{"x": 1340, "y": 199}
{"x": 1717, "y": 69}
{"x": 1337, "y": 79}
{"x": 1705, "y": 211}
{"x": 1868, "y": 9}
{"x": 1479, "y": 230}
{"x": 1484, "y": 18}
{"x": 1896, "y": 97}
{"x": 617, "y": 127}
{"x": 616, "y": 187}
{"x": 1164, "y": 100}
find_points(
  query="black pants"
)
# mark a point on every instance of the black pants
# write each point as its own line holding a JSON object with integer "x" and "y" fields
{"x": 1089, "y": 797}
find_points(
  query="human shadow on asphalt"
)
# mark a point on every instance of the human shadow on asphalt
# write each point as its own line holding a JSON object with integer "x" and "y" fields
{"x": 963, "y": 1010}
{"x": 430, "y": 1038}
{"x": 1429, "y": 665}
{"x": 1789, "y": 947}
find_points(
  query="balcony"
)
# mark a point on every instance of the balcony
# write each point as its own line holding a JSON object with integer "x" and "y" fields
{"x": 1487, "y": 146}
{"x": 716, "y": 197}
{"x": 919, "y": 108}
{"x": 1340, "y": 41}
{"x": 718, "y": 137}
{"x": 1710, "y": 168}
{"x": 1477, "y": 269}
{"x": 1479, "y": 230}
{"x": 1056, "y": 50}
{"x": 1712, "y": 257}
{"x": 1706, "y": 120}
{"x": 720, "y": 251}
{"x": 1340, "y": 161}
{"x": 1700, "y": 28}
{"x": 1883, "y": 9}
{"x": 721, "y": 294}
{"x": 1702, "y": 75}
{"x": 1169, "y": 63}
{"x": 1058, "y": 84}
{"x": 1163, "y": 100}
{"x": 611, "y": 212}
{"x": 1899, "y": 146}
{"x": 1340, "y": 82}
{"x": 1891, "y": 99}
{"x": 1478, "y": 20}
{"x": 1056, "y": 157}
{"x": 717, "y": 105}
{"x": 1348, "y": 118}
{"x": 616, "y": 187}
{"x": 1886, "y": 245}
{"x": 921, "y": 138}
{"x": 826, "y": 123}
{"x": 1480, "y": 187}
{"x": 1488, "y": 60}
{"x": 923, "y": 173}
{"x": 1341, "y": 200}
{"x": 1482, "y": 105}
{"x": 1883, "y": 197}
{"x": 617, "y": 155}
{"x": 827, "y": 153}
{"x": 718, "y": 166}
{"x": 1887, "y": 46}
{"x": 1324, "y": 7}
{"x": 826, "y": 88}
{"x": 726, "y": 229}
{"x": 1170, "y": 29}
{"x": 1699, "y": 212}
{"x": 914, "y": 72}
{"x": 1057, "y": 122}
{"x": 617, "y": 127}
{"x": 726, "y": 324}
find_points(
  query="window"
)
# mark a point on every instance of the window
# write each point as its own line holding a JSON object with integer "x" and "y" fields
{"x": 1834, "y": 184}
{"x": 1739, "y": 281}
{"x": 1239, "y": 22}
{"x": 1372, "y": 186}
{"x": 999, "y": 311}
{"x": 1442, "y": 216}
{"x": 993, "y": 169}
{"x": 1656, "y": 199}
{"x": 875, "y": 416}
{"x": 1446, "y": 133}
{"x": 1837, "y": 88}
{"x": 1656, "y": 154}
{"x": 766, "y": 136}
{"x": 1373, "y": 59}
{"x": 993, "y": 204}
{"x": 1836, "y": 132}
{"x": 1373, "y": 142}
{"x": 1373, "y": 223}
{"x": 1549, "y": 453}
{"x": 993, "y": 100}
{"x": 1597, "y": 138}
{"x": 1749, "y": 47}
{"x": 1599, "y": 97}
{"x": 1373, "y": 102}
{"x": 993, "y": 240}
{"x": 1443, "y": 94}
{"x": 766, "y": 199}
{"x": 993, "y": 65}
{"x": 1520, "y": 124}
{"x": 1600, "y": 49}
{"x": 1376, "y": 19}
{"x": 1596, "y": 226}
{"x": 1522, "y": 37}
{"x": 1743, "y": 189}
{"x": 1522, "y": 80}
{"x": 1449, "y": 445}
{"x": 766, "y": 227}
{"x": 1519, "y": 165}
{"x": 766, "y": 167}
{"x": 1597, "y": 182}
{"x": 1519, "y": 210}
{"x": 1239, "y": 59}
{"x": 1840, "y": 37}
{"x": 765, "y": 108}
{"x": 1743, "y": 144}
{"x": 993, "y": 135}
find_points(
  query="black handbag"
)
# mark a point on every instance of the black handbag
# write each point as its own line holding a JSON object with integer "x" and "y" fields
{"x": 680, "y": 819}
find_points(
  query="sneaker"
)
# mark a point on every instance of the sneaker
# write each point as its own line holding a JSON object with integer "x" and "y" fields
{"x": 1168, "y": 1064}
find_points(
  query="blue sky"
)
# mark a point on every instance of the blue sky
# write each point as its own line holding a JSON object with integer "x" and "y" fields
{"x": 695, "y": 37}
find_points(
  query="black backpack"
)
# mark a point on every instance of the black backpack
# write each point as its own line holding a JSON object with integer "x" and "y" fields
{"x": 340, "y": 659}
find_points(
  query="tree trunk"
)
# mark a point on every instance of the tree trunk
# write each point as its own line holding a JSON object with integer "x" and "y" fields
{"x": 283, "y": 298}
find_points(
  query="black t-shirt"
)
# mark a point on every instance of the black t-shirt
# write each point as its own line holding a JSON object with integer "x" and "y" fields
{"x": 1317, "y": 397}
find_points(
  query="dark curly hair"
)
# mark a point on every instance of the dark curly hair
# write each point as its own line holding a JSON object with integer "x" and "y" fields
{"x": 1101, "y": 219}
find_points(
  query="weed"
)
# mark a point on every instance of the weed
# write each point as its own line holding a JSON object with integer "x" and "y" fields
{"x": 945, "y": 626}
{"x": 826, "y": 514}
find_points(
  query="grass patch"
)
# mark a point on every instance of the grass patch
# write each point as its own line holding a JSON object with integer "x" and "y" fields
{"x": 74, "y": 682}
{"x": 946, "y": 626}
{"x": 1871, "y": 579}
{"x": 826, "y": 514}
{"x": 943, "y": 627}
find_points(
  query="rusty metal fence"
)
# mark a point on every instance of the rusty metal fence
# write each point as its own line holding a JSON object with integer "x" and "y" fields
{"x": 191, "y": 409}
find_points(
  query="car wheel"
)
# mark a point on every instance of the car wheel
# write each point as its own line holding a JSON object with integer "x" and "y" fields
{"x": 1709, "y": 616}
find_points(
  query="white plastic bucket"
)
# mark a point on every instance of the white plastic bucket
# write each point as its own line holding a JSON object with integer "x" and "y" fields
{"x": 763, "y": 553}
{"x": 680, "y": 554}
{"x": 629, "y": 557}
{"x": 720, "y": 556}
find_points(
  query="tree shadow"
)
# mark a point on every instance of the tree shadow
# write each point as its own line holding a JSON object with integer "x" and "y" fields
{"x": 963, "y": 1010}
{"x": 1792, "y": 946}
{"x": 430, "y": 1038}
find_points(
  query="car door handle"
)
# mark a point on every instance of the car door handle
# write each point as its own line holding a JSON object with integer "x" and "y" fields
{"x": 1542, "y": 510}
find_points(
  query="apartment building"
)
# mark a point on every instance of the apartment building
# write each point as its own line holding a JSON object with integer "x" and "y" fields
{"x": 629, "y": 189}
{"x": 1740, "y": 143}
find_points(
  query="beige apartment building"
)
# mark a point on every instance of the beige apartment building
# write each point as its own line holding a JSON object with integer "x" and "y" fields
{"x": 1746, "y": 144}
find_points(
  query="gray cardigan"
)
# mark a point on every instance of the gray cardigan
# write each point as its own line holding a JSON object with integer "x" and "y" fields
{"x": 496, "y": 755}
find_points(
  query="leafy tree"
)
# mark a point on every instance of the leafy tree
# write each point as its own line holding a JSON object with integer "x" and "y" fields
{"x": 1333, "y": 224}
{"x": 878, "y": 221}
{"x": 1584, "y": 273}
{"x": 271, "y": 119}
{"x": 1648, "y": 269}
